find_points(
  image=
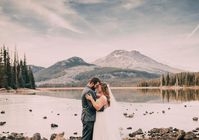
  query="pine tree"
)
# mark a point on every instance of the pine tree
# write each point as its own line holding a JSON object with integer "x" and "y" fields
{"x": 25, "y": 74}
{"x": 20, "y": 75}
{"x": 162, "y": 81}
{"x": 15, "y": 73}
{"x": 167, "y": 79}
{"x": 5, "y": 67}
{"x": 9, "y": 71}
{"x": 32, "y": 80}
{"x": 176, "y": 77}
{"x": 2, "y": 75}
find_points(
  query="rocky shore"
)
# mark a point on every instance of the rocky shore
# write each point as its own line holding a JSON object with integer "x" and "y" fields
{"x": 20, "y": 91}
{"x": 36, "y": 136}
{"x": 164, "y": 134}
{"x": 153, "y": 134}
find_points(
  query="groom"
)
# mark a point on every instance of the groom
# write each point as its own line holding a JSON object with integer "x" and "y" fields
{"x": 88, "y": 111}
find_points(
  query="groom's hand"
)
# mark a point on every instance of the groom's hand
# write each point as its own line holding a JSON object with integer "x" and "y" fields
{"x": 88, "y": 97}
{"x": 90, "y": 105}
{"x": 101, "y": 110}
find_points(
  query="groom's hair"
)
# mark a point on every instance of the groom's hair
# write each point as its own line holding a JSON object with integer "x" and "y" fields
{"x": 94, "y": 80}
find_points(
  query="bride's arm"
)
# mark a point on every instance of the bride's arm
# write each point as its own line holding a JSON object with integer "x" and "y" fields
{"x": 98, "y": 104}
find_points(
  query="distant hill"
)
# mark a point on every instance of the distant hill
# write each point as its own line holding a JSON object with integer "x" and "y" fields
{"x": 134, "y": 60}
{"x": 115, "y": 76}
{"x": 36, "y": 68}
{"x": 60, "y": 69}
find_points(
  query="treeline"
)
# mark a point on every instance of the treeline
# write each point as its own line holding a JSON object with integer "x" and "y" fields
{"x": 14, "y": 73}
{"x": 149, "y": 83}
{"x": 179, "y": 79}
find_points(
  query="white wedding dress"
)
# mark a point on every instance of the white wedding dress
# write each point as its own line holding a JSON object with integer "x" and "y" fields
{"x": 106, "y": 126}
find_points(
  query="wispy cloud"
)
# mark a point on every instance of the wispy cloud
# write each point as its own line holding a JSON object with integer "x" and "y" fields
{"x": 129, "y": 4}
{"x": 87, "y": 1}
{"x": 193, "y": 32}
{"x": 36, "y": 14}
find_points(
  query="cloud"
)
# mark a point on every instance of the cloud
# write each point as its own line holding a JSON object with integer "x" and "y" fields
{"x": 40, "y": 15}
{"x": 129, "y": 4}
{"x": 87, "y": 1}
{"x": 193, "y": 32}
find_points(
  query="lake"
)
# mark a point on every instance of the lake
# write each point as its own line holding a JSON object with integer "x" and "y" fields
{"x": 60, "y": 108}
{"x": 137, "y": 96}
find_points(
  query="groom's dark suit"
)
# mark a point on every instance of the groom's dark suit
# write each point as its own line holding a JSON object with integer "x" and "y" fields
{"x": 88, "y": 114}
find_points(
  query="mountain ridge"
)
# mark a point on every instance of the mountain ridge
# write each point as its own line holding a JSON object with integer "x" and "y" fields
{"x": 118, "y": 70}
{"x": 58, "y": 68}
{"x": 134, "y": 60}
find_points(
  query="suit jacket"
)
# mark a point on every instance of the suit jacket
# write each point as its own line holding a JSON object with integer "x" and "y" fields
{"x": 88, "y": 111}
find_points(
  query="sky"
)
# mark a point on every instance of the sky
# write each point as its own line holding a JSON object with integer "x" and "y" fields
{"x": 48, "y": 31}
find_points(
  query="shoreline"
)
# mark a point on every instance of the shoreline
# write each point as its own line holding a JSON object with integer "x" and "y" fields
{"x": 170, "y": 133}
{"x": 25, "y": 91}
{"x": 20, "y": 91}
{"x": 161, "y": 88}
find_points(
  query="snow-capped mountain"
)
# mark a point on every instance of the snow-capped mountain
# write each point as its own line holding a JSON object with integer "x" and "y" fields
{"x": 134, "y": 60}
{"x": 76, "y": 72}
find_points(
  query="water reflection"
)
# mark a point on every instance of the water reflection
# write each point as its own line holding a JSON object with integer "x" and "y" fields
{"x": 180, "y": 95}
{"x": 141, "y": 96}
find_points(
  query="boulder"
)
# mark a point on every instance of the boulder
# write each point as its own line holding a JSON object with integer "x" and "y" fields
{"x": 36, "y": 136}
{"x": 189, "y": 136}
{"x": 181, "y": 135}
{"x": 53, "y": 136}
{"x": 139, "y": 132}
{"x": 60, "y": 136}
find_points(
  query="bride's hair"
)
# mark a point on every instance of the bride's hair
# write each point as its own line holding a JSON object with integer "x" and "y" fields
{"x": 105, "y": 91}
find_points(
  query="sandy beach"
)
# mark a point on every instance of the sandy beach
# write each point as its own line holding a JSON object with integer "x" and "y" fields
{"x": 25, "y": 114}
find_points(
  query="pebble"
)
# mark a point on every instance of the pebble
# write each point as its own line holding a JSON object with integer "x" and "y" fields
{"x": 195, "y": 118}
{"x": 2, "y": 112}
{"x": 2, "y": 123}
{"x": 53, "y": 125}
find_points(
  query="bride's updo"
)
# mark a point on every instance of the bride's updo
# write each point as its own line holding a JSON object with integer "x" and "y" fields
{"x": 105, "y": 91}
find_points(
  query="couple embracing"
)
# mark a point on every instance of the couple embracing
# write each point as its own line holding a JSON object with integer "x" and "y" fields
{"x": 98, "y": 114}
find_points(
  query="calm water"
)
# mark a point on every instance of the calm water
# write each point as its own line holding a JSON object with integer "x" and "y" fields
{"x": 19, "y": 119}
{"x": 137, "y": 96}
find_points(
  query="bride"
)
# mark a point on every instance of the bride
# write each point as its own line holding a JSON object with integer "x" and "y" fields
{"x": 105, "y": 127}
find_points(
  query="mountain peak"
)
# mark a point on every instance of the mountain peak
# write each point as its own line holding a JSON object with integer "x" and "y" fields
{"x": 71, "y": 62}
{"x": 135, "y": 52}
{"x": 118, "y": 53}
{"x": 134, "y": 60}
{"x": 75, "y": 59}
